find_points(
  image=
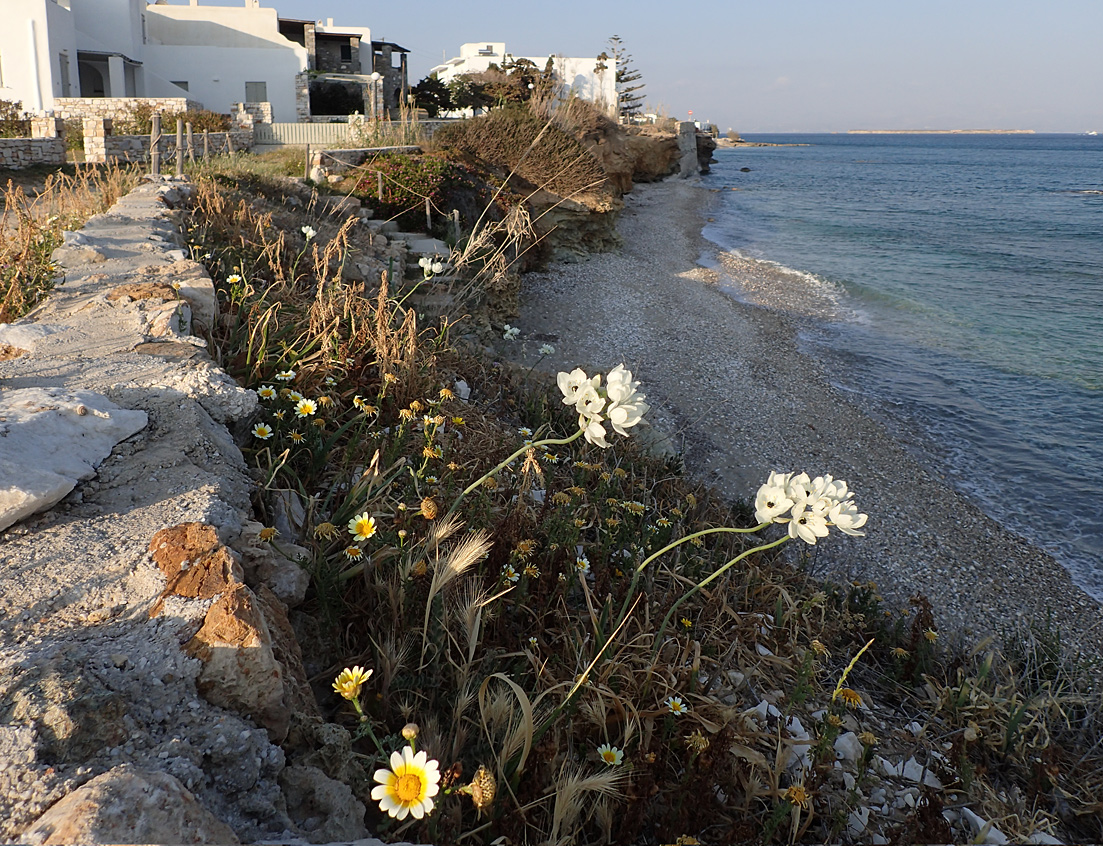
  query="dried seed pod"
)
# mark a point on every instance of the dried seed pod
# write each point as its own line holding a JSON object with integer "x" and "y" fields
{"x": 429, "y": 508}
{"x": 483, "y": 787}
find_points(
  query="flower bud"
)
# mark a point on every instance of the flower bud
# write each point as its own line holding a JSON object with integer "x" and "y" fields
{"x": 409, "y": 731}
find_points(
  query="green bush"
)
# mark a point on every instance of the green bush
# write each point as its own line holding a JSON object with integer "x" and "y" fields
{"x": 140, "y": 121}
{"x": 14, "y": 123}
{"x": 407, "y": 181}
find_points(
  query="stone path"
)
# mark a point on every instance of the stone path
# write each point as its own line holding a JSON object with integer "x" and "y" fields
{"x": 145, "y": 652}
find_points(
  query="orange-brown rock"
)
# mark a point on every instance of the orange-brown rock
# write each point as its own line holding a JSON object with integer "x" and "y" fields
{"x": 195, "y": 564}
{"x": 143, "y": 291}
{"x": 240, "y": 669}
{"x": 128, "y": 805}
{"x": 285, "y": 646}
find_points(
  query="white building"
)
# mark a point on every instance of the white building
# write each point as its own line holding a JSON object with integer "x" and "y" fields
{"x": 581, "y": 77}
{"x": 213, "y": 55}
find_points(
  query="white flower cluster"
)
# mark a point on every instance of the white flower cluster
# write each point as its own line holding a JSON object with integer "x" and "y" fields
{"x": 430, "y": 267}
{"x": 809, "y": 506}
{"x": 618, "y": 402}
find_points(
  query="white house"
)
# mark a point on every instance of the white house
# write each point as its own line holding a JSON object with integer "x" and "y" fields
{"x": 214, "y": 55}
{"x": 584, "y": 78}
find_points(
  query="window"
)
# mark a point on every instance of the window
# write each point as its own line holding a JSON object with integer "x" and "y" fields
{"x": 346, "y": 52}
{"x": 256, "y": 92}
{"x": 181, "y": 83}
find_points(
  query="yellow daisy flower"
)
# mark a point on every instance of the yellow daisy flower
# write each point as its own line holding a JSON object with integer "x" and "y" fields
{"x": 409, "y": 786}
{"x": 362, "y": 526}
{"x": 350, "y": 681}
{"x": 611, "y": 755}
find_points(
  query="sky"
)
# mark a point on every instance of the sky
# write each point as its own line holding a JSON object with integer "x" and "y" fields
{"x": 791, "y": 65}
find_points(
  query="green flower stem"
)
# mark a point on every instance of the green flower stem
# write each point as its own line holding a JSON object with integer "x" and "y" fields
{"x": 670, "y": 546}
{"x": 701, "y": 584}
{"x": 515, "y": 455}
{"x": 365, "y": 726}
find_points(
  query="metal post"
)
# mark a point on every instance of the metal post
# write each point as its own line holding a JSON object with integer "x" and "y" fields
{"x": 179, "y": 146}
{"x": 206, "y": 143}
{"x": 155, "y": 146}
{"x": 191, "y": 145}
{"x": 379, "y": 184}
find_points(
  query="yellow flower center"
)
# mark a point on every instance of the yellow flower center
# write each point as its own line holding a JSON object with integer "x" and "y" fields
{"x": 407, "y": 787}
{"x": 609, "y": 756}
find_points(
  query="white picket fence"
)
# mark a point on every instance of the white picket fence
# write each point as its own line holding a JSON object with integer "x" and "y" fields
{"x": 315, "y": 134}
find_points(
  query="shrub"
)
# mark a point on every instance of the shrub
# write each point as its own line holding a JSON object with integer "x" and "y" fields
{"x": 140, "y": 121}
{"x": 407, "y": 181}
{"x": 513, "y": 139}
{"x": 14, "y": 123}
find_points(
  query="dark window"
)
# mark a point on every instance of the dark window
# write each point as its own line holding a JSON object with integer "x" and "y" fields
{"x": 346, "y": 52}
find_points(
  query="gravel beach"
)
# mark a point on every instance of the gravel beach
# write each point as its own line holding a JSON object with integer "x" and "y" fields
{"x": 716, "y": 351}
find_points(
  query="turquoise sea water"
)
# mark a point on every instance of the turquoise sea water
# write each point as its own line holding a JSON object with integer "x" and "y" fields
{"x": 968, "y": 273}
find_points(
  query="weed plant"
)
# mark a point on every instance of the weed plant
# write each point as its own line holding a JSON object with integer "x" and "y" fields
{"x": 572, "y": 643}
{"x": 32, "y": 229}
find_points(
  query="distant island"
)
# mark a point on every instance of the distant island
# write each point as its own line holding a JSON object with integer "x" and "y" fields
{"x": 940, "y": 132}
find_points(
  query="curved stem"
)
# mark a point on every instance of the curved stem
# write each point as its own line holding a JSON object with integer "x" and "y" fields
{"x": 701, "y": 584}
{"x": 515, "y": 455}
{"x": 719, "y": 530}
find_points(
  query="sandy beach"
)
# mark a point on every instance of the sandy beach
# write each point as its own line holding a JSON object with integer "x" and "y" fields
{"x": 730, "y": 387}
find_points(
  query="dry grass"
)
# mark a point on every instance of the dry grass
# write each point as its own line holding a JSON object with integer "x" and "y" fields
{"x": 32, "y": 228}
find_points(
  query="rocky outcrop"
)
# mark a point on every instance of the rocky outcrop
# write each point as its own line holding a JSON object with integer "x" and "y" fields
{"x": 94, "y": 678}
{"x": 706, "y": 145}
{"x": 128, "y": 805}
{"x": 572, "y": 229}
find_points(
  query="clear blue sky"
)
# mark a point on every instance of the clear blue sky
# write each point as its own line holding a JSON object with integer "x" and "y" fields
{"x": 793, "y": 65}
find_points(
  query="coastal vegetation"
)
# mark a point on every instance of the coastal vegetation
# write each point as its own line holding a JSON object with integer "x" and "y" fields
{"x": 534, "y": 629}
{"x": 524, "y": 625}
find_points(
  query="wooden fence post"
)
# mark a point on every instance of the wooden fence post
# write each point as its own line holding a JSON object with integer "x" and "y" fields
{"x": 229, "y": 143}
{"x": 306, "y": 163}
{"x": 379, "y": 184}
{"x": 179, "y": 146}
{"x": 206, "y": 143}
{"x": 428, "y": 217}
{"x": 191, "y": 144}
{"x": 155, "y": 145}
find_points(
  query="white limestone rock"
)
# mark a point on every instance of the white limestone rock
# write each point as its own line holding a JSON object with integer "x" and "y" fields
{"x": 50, "y": 439}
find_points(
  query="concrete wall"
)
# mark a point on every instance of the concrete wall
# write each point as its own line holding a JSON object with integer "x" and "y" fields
{"x": 33, "y": 36}
{"x": 113, "y": 26}
{"x": 216, "y": 50}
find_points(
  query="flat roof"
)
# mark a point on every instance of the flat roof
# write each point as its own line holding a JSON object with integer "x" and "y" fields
{"x": 375, "y": 45}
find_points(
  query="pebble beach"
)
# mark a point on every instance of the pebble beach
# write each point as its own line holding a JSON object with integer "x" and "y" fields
{"x": 716, "y": 349}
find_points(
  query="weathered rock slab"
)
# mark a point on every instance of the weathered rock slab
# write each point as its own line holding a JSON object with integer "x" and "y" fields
{"x": 52, "y": 438}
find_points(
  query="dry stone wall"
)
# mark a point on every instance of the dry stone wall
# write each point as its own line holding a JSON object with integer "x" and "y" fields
{"x": 148, "y": 671}
{"x": 19, "y": 153}
{"x": 118, "y": 108}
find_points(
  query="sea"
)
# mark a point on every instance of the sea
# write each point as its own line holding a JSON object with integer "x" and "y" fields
{"x": 964, "y": 279}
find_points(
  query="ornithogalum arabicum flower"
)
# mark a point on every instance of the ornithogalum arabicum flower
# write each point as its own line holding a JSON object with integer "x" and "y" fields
{"x": 808, "y": 506}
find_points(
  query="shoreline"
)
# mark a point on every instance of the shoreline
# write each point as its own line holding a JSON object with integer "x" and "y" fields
{"x": 716, "y": 352}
